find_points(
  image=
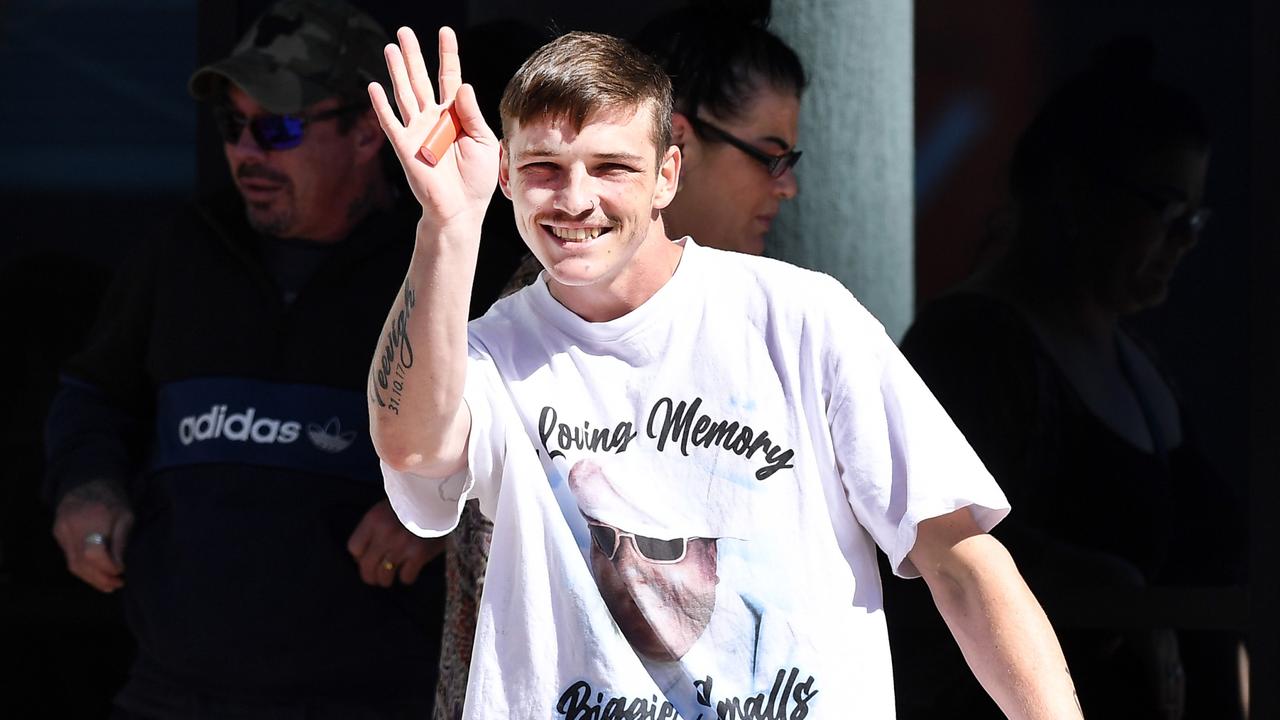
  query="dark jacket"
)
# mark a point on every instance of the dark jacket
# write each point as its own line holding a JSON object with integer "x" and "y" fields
{"x": 238, "y": 423}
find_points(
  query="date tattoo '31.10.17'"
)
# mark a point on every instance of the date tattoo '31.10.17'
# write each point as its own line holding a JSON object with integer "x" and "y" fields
{"x": 386, "y": 386}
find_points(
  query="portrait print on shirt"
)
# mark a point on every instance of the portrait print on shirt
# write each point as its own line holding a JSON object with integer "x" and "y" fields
{"x": 654, "y": 518}
{"x": 658, "y": 579}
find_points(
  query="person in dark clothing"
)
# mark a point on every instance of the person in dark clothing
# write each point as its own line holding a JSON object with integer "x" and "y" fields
{"x": 209, "y": 451}
{"x": 1071, "y": 412}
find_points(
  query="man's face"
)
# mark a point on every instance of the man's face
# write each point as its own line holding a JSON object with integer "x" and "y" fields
{"x": 661, "y": 608}
{"x": 586, "y": 201}
{"x": 304, "y": 192}
{"x": 727, "y": 200}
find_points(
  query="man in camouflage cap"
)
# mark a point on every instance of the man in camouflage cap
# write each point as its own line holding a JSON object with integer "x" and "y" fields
{"x": 299, "y": 53}
{"x": 212, "y": 434}
{"x": 301, "y": 70}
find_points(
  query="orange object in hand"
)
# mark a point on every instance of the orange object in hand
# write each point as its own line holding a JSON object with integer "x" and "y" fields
{"x": 446, "y": 130}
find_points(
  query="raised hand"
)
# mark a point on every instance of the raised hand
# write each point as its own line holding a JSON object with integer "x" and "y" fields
{"x": 459, "y": 186}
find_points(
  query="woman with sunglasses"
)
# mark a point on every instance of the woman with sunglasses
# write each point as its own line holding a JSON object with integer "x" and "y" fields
{"x": 736, "y": 89}
{"x": 1071, "y": 412}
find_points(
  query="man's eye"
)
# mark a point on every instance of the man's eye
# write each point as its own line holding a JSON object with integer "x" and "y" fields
{"x": 615, "y": 169}
{"x": 539, "y": 167}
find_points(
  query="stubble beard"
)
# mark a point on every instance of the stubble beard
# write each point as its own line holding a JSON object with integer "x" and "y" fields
{"x": 268, "y": 219}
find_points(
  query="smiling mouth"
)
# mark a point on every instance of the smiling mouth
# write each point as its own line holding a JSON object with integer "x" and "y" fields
{"x": 576, "y": 234}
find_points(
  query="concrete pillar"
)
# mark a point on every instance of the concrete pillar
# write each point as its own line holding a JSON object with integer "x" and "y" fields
{"x": 853, "y": 218}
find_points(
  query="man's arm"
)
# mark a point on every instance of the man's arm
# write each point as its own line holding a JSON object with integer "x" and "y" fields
{"x": 417, "y": 418}
{"x": 1004, "y": 635}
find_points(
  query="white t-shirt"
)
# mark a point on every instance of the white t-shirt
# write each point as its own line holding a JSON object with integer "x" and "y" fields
{"x": 687, "y": 500}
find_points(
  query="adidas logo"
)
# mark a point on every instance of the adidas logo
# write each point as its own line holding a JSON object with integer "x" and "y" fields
{"x": 247, "y": 426}
{"x": 330, "y": 438}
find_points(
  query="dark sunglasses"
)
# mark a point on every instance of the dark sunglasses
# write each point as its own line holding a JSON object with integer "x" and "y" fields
{"x": 272, "y": 132}
{"x": 661, "y": 552}
{"x": 775, "y": 164}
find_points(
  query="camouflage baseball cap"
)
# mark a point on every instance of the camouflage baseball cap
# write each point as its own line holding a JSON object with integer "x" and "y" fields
{"x": 299, "y": 53}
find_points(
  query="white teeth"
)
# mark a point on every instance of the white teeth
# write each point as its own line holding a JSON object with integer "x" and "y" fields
{"x": 576, "y": 233}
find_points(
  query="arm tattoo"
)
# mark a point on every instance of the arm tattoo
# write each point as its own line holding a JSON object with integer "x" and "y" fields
{"x": 386, "y": 384}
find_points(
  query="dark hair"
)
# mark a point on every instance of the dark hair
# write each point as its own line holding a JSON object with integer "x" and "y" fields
{"x": 717, "y": 53}
{"x": 581, "y": 73}
{"x": 1103, "y": 120}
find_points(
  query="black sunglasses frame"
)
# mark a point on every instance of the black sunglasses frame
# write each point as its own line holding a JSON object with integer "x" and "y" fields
{"x": 231, "y": 125}
{"x": 776, "y": 165}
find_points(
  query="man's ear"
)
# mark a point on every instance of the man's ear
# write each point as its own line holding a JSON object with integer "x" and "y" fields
{"x": 504, "y": 172}
{"x": 668, "y": 178}
{"x": 368, "y": 136}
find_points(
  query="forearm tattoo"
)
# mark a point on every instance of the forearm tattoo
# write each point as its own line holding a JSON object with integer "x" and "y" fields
{"x": 1074, "y": 695}
{"x": 386, "y": 383}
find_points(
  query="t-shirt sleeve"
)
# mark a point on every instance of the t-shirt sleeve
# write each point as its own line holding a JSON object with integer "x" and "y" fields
{"x": 901, "y": 458}
{"x": 430, "y": 507}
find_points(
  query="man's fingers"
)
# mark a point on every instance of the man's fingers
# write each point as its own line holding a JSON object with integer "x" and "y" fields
{"x": 369, "y": 567}
{"x": 419, "y": 78}
{"x": 386, "y": 116}
{"x": 467, "y": 108}
{"x": 90, "y": 562}
{"x": 374, "y": 568}
{"x": 406, "y": 100}
{"x": 99, "y": 557}
{"x": 411, "y": 567}
{"x": 361, "y": 537}
{"x": 369, "y": 547}
{"x": 96, "y": 567}
{"x": 387, "y": 571}
{"x": 418, "y": 553}
{"x": 450, "y": 65}
{"x": 99, "y": 580}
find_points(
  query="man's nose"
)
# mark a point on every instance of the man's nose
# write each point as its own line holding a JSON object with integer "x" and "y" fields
{"x": 577, "y": 195}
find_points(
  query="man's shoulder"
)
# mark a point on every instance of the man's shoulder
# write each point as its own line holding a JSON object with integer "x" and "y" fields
{"x": 783, "y": 286}
{"x": 506, "y": 314}
{"x": 769, "y": 273}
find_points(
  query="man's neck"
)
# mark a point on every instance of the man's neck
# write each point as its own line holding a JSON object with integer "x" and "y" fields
{"x": 652, "y": 267}
{"x": 375, "y": 194}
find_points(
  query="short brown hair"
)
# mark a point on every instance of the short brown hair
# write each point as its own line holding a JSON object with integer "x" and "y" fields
{"x": 580, "y": 73}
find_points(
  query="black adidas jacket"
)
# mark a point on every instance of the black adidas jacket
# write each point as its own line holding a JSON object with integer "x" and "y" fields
{"x": 239, "y": 425}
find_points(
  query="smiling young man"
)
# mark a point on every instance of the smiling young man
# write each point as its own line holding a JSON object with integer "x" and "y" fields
{"x": 648, "y": 403}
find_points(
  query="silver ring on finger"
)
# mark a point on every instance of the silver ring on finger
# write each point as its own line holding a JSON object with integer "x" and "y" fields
{"x": 95, "y": 539}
